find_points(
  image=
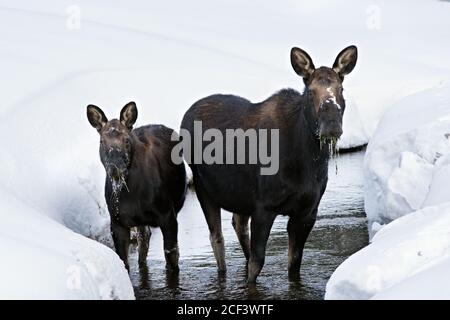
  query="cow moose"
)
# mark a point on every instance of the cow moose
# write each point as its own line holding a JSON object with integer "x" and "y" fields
{"x": 143, "y": 187}
{"x": 309, "y": 125}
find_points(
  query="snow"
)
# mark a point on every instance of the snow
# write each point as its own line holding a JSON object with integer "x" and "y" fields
{"x": 354, "y": 132}
{"x": 407, "y": 171}
{"x": 165, "y": 56}
{"x": 407, "y": 259}
{"x": 407, "y": 160}
{"x": 45, "y": 260}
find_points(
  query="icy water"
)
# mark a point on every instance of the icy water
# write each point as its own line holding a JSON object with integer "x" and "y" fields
{"x": 339, "y": 231}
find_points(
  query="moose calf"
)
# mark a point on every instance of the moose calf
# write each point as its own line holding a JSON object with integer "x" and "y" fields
{"x": 143, "y": 186}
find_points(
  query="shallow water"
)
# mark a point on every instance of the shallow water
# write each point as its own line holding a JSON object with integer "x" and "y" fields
{"x": 340, "y": 230}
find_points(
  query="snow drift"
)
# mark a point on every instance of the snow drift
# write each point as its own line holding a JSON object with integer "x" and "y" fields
{"x": 407, "y": 161}
{"x": 407, "y": 171}
{"x": 407, "y": 259}
{"x": 45, "y": 260}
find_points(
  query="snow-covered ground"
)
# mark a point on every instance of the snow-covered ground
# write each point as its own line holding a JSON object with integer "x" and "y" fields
{"x": 407, "y": 259}
{"x": 407, "y": 174}
{"x": 41, "y": 259}
{"x": 407, "y": 163}
{"x": 165, "y": 55}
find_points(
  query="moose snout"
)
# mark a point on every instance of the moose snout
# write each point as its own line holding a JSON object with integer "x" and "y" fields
{"x": 330, "y": 120}
{"x": 116, "y": 164}
{"x": 331, "y": 129}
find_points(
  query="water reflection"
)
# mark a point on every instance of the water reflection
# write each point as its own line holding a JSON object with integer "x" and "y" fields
{"x": 339, "y": 232}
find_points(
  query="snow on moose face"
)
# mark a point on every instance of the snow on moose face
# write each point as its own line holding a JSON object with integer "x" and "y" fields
{"x": 115, "y": 142}
{"x": 323, "y": 89}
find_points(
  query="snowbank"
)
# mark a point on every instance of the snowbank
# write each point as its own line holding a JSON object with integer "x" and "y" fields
{"x": 407, "y": 259}
{"x": 407, "y": 163}
{"x": 407, "y": 172}
{"x": 44, "y": 260}
{"x": 354, "y": 132}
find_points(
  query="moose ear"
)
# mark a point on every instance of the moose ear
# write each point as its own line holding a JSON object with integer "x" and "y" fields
{"x": 302, "y": 63}
{"x": 128, "y": 115}
{"x": 346, "y": 61}
{"x": 96, "y": 117}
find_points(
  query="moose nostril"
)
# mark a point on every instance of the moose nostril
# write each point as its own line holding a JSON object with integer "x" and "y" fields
{"x": 331, "y": 129}
{"x": 336, "y": 131}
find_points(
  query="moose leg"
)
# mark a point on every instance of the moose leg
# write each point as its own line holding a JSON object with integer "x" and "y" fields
{"x": 213, "y": 218}
{"x": 143, "y": 239}
{"x": 240, "y": 225}
{"x": 121, "y": 238}
{"x": 169, "y": 229}
{"x": 260, "y": 228}
{"x": 298, "y": 230}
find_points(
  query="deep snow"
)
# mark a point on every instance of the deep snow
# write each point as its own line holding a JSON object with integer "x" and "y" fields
{"x": 407, "y": 171}
{"x": 407, "y": 160}
{"x": 44, "y": 260}
{"x": 165, "y": 56}
{"x": 407, "y": 259}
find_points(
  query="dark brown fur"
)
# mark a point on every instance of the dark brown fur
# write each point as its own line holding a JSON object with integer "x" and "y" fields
{"x": 297, "y": 188}
{"x": 143, "y": 186}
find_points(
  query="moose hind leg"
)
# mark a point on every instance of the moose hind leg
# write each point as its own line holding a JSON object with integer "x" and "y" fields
{"x": 260, "y": 231}
{"x": 240, "y": 225}
{"x": 143, "y": 240}
{"x": 298, "y": 231}
{"x": 213, "y": 219}
{"x": 121, "y": 238}
{"x": 169, "y": 229}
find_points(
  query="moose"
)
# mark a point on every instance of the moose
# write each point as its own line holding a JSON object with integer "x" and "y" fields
{"x": 143, "y": 187}
{"x": 309, "y": 125}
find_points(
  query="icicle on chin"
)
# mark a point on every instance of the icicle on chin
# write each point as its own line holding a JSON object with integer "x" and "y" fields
{"x": 333, "y": 149}
{"x": 334, "y": 152}
{"x": 118, "y": 184}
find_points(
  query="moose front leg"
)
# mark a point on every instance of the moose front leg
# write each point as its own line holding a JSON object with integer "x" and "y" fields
{"x": 260, "y": 230}
{"x": 298, "y": 231}
{"x": 169, "y": 229}
{"x": 121, "y": 238}
{"x": 143, "y": 239}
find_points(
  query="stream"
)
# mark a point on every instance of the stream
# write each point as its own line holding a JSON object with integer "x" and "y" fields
{"x": 340, "y": 231}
